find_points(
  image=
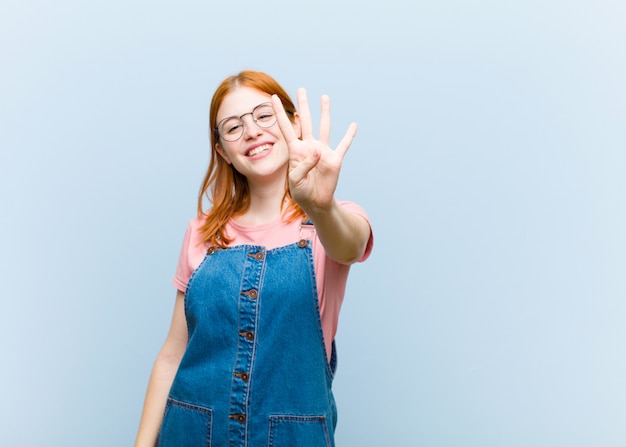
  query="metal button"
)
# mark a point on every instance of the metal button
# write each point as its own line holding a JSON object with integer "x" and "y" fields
{"x": 244, "y": 376}
{"x": 259, "y": 255}
{"x": 211, "y": 250}
{"x": 239, "y": 417}
{"x": 252, "y": 293}
{"x": 249, "y": 335}
{"x": 302, "y": 243}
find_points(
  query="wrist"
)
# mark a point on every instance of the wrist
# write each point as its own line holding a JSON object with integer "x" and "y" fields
{"x": 324, "y": 211}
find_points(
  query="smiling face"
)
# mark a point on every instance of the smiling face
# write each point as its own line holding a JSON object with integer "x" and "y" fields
{"x": 260, "y": 153}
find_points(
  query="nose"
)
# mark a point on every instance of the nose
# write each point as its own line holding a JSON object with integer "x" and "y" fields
{"x": 250, "y": 128}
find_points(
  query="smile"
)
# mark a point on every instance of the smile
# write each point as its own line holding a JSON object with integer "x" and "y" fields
{"x": 258, "y": 150}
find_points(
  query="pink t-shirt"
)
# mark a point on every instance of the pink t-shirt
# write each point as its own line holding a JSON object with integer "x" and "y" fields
{"x": 330, "y": 276}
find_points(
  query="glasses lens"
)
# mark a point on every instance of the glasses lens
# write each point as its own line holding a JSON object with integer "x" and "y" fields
{"x": 231, "y": 129}
{"x": 264, "y": 115}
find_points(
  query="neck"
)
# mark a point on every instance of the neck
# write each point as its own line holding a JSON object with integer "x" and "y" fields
{"x": 266, "y": 200}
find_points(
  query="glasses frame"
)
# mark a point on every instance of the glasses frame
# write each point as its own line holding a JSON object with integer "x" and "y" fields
{"x": 240, "y": 118}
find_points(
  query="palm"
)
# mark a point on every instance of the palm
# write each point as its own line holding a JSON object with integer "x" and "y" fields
{"x": 313, "y": 166}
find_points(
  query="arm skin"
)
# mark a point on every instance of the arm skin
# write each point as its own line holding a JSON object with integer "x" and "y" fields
{"x": 313, "y": 176}
{"x": 343, "y": 234}
{"x": 162, "y": 376}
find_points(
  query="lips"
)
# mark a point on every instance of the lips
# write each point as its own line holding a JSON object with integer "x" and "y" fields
{"x": 258, "y": 150}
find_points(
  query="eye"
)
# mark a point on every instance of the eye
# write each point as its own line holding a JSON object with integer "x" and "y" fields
{"x": 233, "y": 129}
{"x": 230, "y": 127}
{"x": 266, "y": 116}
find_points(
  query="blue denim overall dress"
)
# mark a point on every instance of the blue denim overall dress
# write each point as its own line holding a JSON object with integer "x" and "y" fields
{"x": 255, "y": 372}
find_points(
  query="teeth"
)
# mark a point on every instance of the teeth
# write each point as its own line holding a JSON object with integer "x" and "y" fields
{"x": 258, "y": 150}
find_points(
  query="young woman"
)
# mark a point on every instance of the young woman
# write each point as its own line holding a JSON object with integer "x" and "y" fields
{"x": 250, "y": 355}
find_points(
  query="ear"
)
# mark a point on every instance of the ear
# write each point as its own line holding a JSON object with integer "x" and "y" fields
{"x": 297, "y": 125}
{"x": 222, "y": 152}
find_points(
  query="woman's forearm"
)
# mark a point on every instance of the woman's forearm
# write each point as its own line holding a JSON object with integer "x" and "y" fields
{"x": 159, "y": 385}
{"x": 343, "y": 234}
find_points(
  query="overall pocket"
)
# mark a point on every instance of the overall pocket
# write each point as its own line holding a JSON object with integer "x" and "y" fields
{"x": 185, "y": 425}
{"x": 298, "y": 431}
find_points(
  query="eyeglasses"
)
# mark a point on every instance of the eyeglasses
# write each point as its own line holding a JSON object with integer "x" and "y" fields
{"x": 231, "y": 128}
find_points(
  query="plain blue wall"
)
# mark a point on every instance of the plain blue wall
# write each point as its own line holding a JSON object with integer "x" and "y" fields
{"x": 490, "y": 155}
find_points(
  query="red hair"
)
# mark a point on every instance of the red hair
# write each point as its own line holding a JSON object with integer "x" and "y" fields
{"x": 225, "y": 188}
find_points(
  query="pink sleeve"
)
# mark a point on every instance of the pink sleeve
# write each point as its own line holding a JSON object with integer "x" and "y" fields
{"x": 183, "y": 269}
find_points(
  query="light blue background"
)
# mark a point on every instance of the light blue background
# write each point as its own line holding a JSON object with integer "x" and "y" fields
{"x": 490, "y": 155}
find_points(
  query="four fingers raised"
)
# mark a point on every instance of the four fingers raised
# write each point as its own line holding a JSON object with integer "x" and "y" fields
{"x": 286, "y": 126}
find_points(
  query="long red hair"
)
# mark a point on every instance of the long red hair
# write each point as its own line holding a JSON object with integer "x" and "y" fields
{"x": 225, "y": 188}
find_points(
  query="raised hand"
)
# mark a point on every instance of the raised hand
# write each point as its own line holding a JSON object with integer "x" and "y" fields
{"x": 313, "y": 166}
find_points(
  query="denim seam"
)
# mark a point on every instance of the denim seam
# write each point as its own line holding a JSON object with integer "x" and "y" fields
{"x": 191, "y": 279}
{"x": 275, "y": 419}
{"x": 315, "y": 293}
{"x": 208, "y": 412}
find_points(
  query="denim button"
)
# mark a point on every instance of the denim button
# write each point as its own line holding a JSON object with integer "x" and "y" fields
{"x": 252, "y": 294}
{"x": 239, "y": 417}
{"x": 244, "y": 376}
{"x": 302, "y": 243}
{"x": 249, "y": 335}
{"x": 259, "y": 255}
